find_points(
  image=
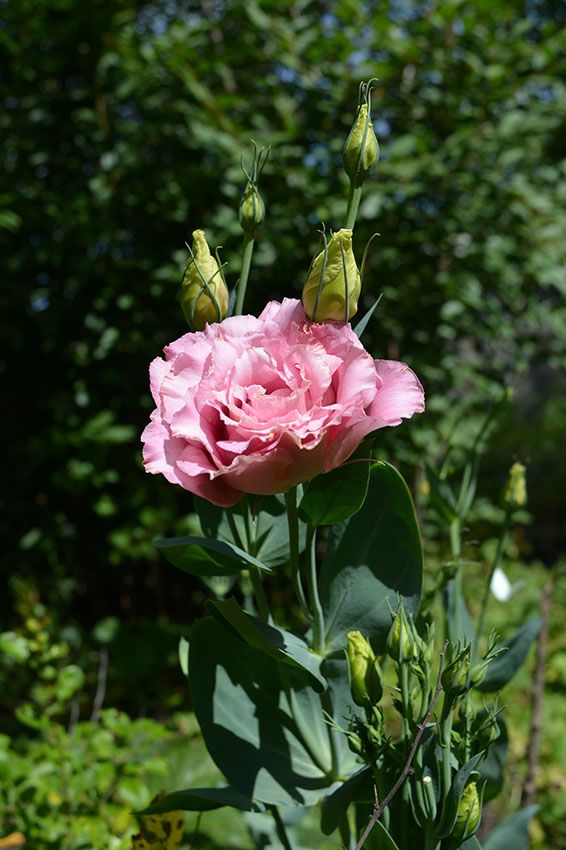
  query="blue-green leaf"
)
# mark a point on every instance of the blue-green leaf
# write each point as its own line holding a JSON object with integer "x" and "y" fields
{"x": 280, "y": 644}
{"x": 372, "y": 559}
{"x": 337, "y": 495}
{"x": 265, "y": 532}
{"x": 201, "y": 556}
{"x": 201, "y": 800}
{"x": 266, "y": 751}
{"x": 513, "y": 833}
{"x": 502, "y": 669}
{"x": 334, "y": 807}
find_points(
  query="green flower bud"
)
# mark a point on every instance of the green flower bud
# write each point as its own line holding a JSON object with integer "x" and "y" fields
{"x": 456, "y": 676}
{"x": 403, "y": 642}
{"x": 204, "y": 295}
{"x": 468, "y": 816}
{"x": 515, "y": 494}
{"x": 361, "y": 150}
{"x": 365, "y": 675}
{"x": 333, "y": 284}
{"x": 252, "y": 209}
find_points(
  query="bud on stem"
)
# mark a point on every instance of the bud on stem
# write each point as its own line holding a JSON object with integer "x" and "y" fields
{"x": 333, "y": 283}
{"x": 204, "y": 295}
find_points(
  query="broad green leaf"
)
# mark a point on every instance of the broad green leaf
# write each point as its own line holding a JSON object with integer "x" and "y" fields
{"x": 372, "y": 559}
{"x": 502, "y": 669}
{"x": 270, "y": 747}
{"x": 513, "y": 833}
{"x": 337, "y": 495}
{"x": 203, "y": 557}
{"x": 280, "y": 644}
{"x": 334, "y": 807}
{"x": 265, "y": 533}
{"x": 201, "y": 800}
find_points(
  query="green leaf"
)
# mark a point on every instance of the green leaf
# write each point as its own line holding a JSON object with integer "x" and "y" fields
{"x": 337, "y": 495}
{"x": 265, "y": 751}
{"x": 371, "y": 559}
{"x": 201, "y": 800}
{"x": 492, "y": 766}
{"x": 335, "y": 805}
{"x": 203, "y": 557}
{"x": 459, "y": 783}
{"x": 266, "y": 532}
{"x": 363, "y": 323}
{"x": 502, "y": 669}
{"x": 460, "y": 625}
{"x": 513, "y": 832}
{"x": 441, "y": 495}
{"x": 278, "y": 643}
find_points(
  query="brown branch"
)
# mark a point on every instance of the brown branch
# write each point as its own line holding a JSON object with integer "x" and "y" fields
{"x": 529, "y": 788}
{"x": 379, "y": 808}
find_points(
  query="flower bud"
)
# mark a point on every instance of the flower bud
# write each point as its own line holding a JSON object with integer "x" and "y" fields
{"x": 333, "y": 285}
{"x": 365, "y": 674}
{"x": 361, "y": 150}
{"x": 515, "y": 494}
{"x": 468, "y": 816}
{"x": 403, "y": 643}
{"x": 252, "y": 209}
{"x": 456, "y": 676}
{"x": 204, "y": 295}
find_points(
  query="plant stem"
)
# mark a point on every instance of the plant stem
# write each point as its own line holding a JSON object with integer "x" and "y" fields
{"x": 280, "y": 828}
{"x": 312, "y": 584}
{"x": 259, "y": 595}
{"x": 502, "y": 542}
{"x": 247, "y": 252}
{"x": 293, "y": 523}
{"x": 354, "y": 198}
{"x": 446, "y": 735}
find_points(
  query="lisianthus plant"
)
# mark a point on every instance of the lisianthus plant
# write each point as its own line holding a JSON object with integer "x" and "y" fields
{"x": 368, "y": 708}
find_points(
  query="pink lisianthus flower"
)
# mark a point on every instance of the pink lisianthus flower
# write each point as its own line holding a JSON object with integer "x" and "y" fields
{"x": 257, "y": 405}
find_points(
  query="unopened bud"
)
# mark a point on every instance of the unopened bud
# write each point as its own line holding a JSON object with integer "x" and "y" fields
{"x": 333, "y": 285}
{"x": 252, "y": 209}
{"x": 456, "y": 677}
{"x": 365, "y": 674}
{"x": 515, "y": 494}
{"x": 468, "y": 816}
{"x": 204, "y": 295}
{"x": 403, "y": 642}
{"x": 361, "y": 150}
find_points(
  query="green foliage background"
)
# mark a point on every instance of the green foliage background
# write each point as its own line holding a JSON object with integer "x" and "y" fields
{"x": 122, "y": 124}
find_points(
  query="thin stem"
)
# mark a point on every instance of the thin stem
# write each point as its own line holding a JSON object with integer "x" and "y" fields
{"x": 502, "y": 542}
{"x": 446, "y": 738}
{"x": 380, "y": 807}
{"x": 280, "y": 828}
{"x": 312, "y": 584}
{"x": 293, "y": 523}
{"x": 354, "y": 198}
{"x": 259, "y": 595}
{"x": 247, "y": 252}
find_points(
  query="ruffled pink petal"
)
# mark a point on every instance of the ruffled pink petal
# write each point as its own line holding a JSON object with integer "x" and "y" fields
{"x": 400, "y": 395}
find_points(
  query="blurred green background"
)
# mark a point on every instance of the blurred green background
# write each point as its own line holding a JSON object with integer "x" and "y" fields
{"x": 122, "y": 124}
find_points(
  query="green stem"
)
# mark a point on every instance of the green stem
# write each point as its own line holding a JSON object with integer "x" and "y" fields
{"x": 293, "y": 523}
{"x": 247, "y": 252}
{"x": 280, "y": 828}
{"x": 502, "y": 542}
{"x": 446, "y": 735}
{"x": 354, "y": 198}
{"x": 259, "y": 595}
{"x": 312, "y": 584}
{"x": 345, "y": 835}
